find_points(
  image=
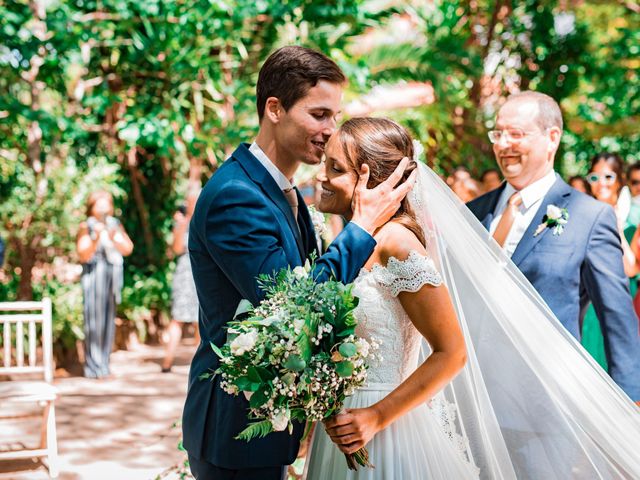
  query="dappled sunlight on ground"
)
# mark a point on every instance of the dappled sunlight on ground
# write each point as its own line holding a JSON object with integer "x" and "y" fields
{"x": 122, "y": 427}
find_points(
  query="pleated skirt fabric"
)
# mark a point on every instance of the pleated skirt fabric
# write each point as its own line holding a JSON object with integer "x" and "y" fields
{"x": 416, "y": 446}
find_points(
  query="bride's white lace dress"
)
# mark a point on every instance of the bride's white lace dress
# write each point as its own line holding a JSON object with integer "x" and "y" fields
{"x": 423, "y": 444}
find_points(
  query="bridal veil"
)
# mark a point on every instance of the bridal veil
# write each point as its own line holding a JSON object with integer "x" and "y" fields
{"x": 531, "y": 402}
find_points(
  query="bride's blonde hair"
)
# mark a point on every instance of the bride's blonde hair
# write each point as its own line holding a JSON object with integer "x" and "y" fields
{"x": 381, "y": 144}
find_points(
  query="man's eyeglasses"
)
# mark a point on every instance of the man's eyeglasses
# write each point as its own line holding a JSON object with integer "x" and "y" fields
{"x": 608, "y": 178}
{"x": 513, "y": 135}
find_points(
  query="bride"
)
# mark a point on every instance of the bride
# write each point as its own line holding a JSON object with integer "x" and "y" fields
{"x": 504, "y": 391}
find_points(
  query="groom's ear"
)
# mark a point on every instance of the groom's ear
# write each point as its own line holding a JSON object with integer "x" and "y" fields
{"x": 273, "y": 109}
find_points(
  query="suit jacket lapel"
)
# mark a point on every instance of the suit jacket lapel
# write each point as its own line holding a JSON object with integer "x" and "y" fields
{"x": 486, "y": 221}
{"x": 490, "y": 206}
{"x": 262, "y": 178}
{"x": 559, "y": 196}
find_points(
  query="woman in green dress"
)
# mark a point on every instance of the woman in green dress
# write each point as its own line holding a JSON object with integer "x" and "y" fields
{"x": 606, "y": 178}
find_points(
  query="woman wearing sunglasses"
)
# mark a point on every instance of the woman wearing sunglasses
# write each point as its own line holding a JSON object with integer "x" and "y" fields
{"x": 606, "y": 178}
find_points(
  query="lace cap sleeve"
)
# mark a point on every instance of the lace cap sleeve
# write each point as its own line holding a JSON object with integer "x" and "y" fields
{"x": 408, "y": 275}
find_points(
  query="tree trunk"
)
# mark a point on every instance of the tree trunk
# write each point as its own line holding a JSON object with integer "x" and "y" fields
{"x": 27, "y": 261}
{"x": 139, "y": 200}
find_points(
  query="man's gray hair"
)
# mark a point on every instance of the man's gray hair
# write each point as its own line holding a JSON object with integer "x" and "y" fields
{"x": 549, "y": 114}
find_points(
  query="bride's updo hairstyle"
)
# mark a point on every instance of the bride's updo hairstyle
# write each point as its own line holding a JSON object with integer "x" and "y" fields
{"x": 381, "y": 144}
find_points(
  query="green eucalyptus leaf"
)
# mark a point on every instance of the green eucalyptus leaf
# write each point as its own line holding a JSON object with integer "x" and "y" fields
{"x": 348, "y": 349}
{"x": 245, "y": 384}
{"x": 288, "y": 378}
{"x": 217, "y": 350}
{"x": 243, "y": 307}
{"x": 344, "y": 368}
{"x": 295, "y": 363}
{"x": 259, "y": 398}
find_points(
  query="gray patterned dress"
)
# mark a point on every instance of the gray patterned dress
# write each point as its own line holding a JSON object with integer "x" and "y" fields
{"x": 184, "y": 300}
{"x": 101, "y": 288}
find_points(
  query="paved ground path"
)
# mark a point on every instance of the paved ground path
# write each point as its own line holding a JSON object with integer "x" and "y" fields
{"x": 120, "y": 428}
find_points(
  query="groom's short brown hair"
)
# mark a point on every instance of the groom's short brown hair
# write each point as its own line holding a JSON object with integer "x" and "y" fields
{"x": 290, "y": 72}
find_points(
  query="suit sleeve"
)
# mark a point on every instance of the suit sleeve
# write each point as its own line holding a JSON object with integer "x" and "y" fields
{"x": 243, "y": 237}
{"x": 608, "y": 289}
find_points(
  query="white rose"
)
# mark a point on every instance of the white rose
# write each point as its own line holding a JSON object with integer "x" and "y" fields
{"x": 553, "y": 212}
{"x": 244, "y": 343}
{"x": 297, "y": 325}
{"x": 300, "y": 273}
{"x": 319, "y": 224}
{"x": 317, "y": 218}
{"x": 280, "y": 420}
{"x": 363, "y": 347}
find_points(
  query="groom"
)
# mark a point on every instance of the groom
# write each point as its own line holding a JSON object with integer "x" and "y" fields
{"x": 250, "y": 220}
{"x": 568, "y": 268}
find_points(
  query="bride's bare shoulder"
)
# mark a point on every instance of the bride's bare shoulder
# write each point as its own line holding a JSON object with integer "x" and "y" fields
{"x": 396, "y": 240}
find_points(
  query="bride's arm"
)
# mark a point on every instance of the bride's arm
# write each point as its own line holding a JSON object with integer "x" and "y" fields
{"x": 431, "y": 311}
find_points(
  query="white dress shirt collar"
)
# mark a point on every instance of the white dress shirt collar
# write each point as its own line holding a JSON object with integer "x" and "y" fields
{"x": 534, "y": 192}
{"x": 532, "y": 197}
{"x": 282, "y": 181}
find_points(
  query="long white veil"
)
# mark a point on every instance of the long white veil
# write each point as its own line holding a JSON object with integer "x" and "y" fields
{"x": 531, "y": 401}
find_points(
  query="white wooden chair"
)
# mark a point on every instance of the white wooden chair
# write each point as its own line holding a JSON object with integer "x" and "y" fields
{"x": 18, "y": 321}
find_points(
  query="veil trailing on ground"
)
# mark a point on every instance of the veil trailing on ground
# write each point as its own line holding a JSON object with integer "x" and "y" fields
{"x": 531, "y": 402}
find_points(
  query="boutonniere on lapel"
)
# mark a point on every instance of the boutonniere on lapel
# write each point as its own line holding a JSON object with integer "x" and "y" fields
{"x": 317, "y": 218}
{"x": 556, "y": 218}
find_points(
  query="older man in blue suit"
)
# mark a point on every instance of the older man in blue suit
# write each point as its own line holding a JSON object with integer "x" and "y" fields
{"x": 568, "y": 266}
{"x": 250, "y": 220}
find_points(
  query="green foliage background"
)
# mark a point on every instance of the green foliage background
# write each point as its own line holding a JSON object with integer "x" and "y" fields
{"x": 134, "y": 96}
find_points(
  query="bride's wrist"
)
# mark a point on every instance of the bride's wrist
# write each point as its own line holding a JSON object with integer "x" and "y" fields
{"x": 379, "y": 416}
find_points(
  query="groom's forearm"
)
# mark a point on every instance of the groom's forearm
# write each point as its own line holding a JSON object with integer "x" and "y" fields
{"x": 345, "y": 256}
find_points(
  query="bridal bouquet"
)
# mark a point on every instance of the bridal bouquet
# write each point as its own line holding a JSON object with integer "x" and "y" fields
{"x": 296, "y": 355}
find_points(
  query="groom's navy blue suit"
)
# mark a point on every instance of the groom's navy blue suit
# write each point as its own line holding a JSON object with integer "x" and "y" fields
{"x": 243, "y": 227}
{"x": 582, "y": 264}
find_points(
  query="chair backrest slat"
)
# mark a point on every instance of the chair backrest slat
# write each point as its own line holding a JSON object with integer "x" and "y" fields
{"x": 47, "y": 340}
{"x": 7, "y": 344}
{"x": 19, "y": 306}
{"x": 22, "y": 317}
{"x": 19, "y": 344}
{"x": 19, "y": 313}
{"x": 32, "y": 344}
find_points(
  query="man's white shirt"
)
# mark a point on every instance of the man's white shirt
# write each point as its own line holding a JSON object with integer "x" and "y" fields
{"x": 282, "y": 181}
{"x": 532, "y": 196}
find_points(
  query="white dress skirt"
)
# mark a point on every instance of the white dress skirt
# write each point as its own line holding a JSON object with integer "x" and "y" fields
{"x": 422, "y": 444}
{"x": 416, "y": 446}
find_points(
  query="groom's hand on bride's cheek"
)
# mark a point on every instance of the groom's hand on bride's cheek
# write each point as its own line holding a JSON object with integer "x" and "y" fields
{"x": 373, "y": 207}
{"x": 352, "y": 430}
